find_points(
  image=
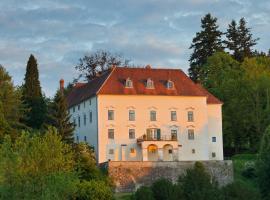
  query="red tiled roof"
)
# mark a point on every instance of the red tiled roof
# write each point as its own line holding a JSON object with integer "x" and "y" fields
{"x": 114, "y": 83}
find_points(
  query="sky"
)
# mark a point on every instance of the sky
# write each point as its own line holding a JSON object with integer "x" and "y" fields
{"x": 155, "y": 32}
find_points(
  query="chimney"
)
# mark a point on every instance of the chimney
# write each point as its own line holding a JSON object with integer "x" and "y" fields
{"x": 62, "y": 84}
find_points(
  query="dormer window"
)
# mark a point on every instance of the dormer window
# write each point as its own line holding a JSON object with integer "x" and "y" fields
{"x": 150, "y": 83}
{"x": 129, "y": 83}
{"x": 170, "y": 84}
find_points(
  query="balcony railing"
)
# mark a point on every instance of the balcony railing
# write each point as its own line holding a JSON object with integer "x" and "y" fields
{"x": 161, "y": 138}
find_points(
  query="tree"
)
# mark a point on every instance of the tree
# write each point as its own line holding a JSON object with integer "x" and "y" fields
{"x": 263, "y": 165}
{"x": 97, "y": 62}
{"x": 59, "y": 117}
{"x": 239, "y": 40}
{"x": 143, "y": 193}
{"x": 11, "y": 109}
{"x": 37, "y": 167}
{"x": 32, "y": 96}
{"x": 162, "y": 189}
{"x": 205, "y": 44}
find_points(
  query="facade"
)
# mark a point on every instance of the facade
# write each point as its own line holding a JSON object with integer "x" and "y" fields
{"x": 147, "y": 114}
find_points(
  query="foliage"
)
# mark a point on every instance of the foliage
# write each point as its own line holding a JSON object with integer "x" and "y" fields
{"x": 206, "y": 43}
{"x": 91, "y": 65}
{"x": 11, "y": 109}
{"x": 263, "y": 165}
{"x": 94, "y": 190}
{"x": 162, "y": 189}
{"x": 32, "y": 96}
{"x": 37, "y": 167}
{"x": 144, "y": 193}
{"x": 239, "y": 191}
{"x": 59, "y": 117}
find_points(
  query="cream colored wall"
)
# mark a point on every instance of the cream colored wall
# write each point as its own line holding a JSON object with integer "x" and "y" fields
{"x": 90, "y": 129}
{"x": 215, "y": 130}
{"x": 163, "y": 105}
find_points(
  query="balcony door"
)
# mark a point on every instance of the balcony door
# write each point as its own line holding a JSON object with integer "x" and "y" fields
{"x": 153, "y": 134}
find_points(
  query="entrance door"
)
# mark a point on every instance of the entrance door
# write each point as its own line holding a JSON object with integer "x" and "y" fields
{"x": 152, "y": 151}
{"x": 168, "y": 152}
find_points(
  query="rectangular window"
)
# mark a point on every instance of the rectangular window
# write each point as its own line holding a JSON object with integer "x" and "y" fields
{"x": 190, "y": 134}
{"x": 170, "y": 151}
{"x": 90, "y": 116}
{"x": 174, "y": 134}
{"x": 131, "y": 115}
{"x": 213, "y": 154}
{"x": 193, "y": 151}
{"x": 190, "y": 116}
{"x": 77, "y": 138}
{"x": 74, "y": 121}
{"x": 79, "y": 107}
{"x": 173, "y": 116}
{"x": 111, "y": 151}
{"x": 84, "y": 119}
{"x": 110, "y": 114}
{"x": 131, "y": 133}
{"x": 84, "y": 104}
{"x": 90, "y": 102}
{"x": 85, "y": 138}
{"x": 73, "y": 109}
{"x": 79, "y": 121}
{"x": 214, "y": 139}
{"x": 153, "y": 115}
{"x": 111, "y": 133}
{"x": 132, "y": 150}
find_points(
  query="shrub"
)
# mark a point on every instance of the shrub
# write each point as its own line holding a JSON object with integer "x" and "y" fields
{"x": 162, "y": 189}
{"x": 94, "y": 190}
{"x": 143, "y": 193}
{"x": 239, "y": 191}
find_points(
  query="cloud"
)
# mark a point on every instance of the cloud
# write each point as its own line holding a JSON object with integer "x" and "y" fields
{"x": 155, "y": 32}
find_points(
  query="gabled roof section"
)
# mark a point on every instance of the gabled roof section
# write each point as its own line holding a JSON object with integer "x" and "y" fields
{"x": 83, "y": 91}
{"x": 113, "y": 82}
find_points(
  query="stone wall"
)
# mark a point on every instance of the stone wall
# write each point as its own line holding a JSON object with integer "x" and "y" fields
{"x": 129, "y": 175}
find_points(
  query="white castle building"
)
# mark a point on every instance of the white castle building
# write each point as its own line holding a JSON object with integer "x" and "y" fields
{"x": 147, "y": 114}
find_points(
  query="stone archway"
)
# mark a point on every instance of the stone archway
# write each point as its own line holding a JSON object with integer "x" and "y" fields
{"x": 152, "y": 152}
{"x": 167, "y": 152}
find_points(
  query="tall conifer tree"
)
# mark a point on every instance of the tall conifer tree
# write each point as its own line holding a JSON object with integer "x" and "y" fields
{"x": 239, "y": 40}
{"x": 32, "y": 96}
{"x": 60, "y": 118}
{"x": 205, "y": 44}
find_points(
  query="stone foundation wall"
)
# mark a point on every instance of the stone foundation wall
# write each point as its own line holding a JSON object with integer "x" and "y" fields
{"x": 129, "y": 175}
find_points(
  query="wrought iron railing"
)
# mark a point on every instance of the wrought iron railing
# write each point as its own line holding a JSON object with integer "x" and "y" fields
{"x": 161, "y": 138}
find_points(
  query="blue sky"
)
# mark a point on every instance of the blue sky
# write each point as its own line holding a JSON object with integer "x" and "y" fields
{"x": 155, "y": 32}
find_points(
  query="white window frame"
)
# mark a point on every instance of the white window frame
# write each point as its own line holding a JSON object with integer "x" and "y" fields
{"x": 190, "y": 115}
{"x": 173, "y": 115}
{"x": 131, "y": 115}
{"x": 153, "y": 115}
{"x": 110, "y": 115}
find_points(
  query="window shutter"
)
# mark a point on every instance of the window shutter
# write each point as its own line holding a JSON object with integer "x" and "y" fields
{"x": 158, "y": 134}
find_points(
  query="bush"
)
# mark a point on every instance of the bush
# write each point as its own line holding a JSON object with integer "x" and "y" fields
{"x": 94, "y": 190}
{"x": 239, "y": 191}
{"x": 162, "y": 189}
{"x": 143, "y": 193}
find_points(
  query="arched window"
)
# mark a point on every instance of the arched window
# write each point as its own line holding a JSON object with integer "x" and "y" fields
{"x": 129, "y": 83}
{"x": 170, "y": 84}
{"x": 150, "y": 83}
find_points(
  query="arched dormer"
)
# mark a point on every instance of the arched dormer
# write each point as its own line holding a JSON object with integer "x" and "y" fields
{"x": 170, "y": 84}
{"x": 150, "y": 84}
{"x": 128, "y": 83}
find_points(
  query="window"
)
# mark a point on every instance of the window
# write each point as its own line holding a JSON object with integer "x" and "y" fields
{"x": 79, "y": 107}
{"x": 174, "y": 134}
{"x": 90, "y": 102}
{"x": 190, "y": 134}
{"x": 90, "y": 116}
{"x": 170, "y": 151}
{"x": 79, "y": 121}
{"x": 85, "y": 138}
{"x": 77, "y": 138}
{"x": 150, "y": 84}
{"x": 193, "y": 151}
{"x": 73, "y": 109}
{"x": 214, "y": 139}
{"x": 74, "y": 121}
{"x": 111, "y": 151}
{"x": 132, "y": 150}
{"x": 129, "y": 83}
{"x": 84, "y": 119}
{"x": 84, "y": 104}
{"x": 213, "y": 154}
{"x": 131, "y": 133}
{"x": 153, "y": 116}
{"x": 170, "y": 84}
{"x": 190, "y": 116}
{"x": 110, "y": 115}
{"x": 173, "y": 116}
{"x": 111, "y": 133}
{"x": 131, "y": 115}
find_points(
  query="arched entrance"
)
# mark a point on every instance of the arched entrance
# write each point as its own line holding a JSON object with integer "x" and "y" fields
{"x": 152, "y": 152}
{"x": 168, "y": 152}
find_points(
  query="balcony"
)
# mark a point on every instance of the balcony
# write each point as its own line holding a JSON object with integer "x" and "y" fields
{"x": 160, "y": 138}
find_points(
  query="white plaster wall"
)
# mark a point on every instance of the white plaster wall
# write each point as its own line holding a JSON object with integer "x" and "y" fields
{"x": 142, "y": 105}
{"x": 90, "y": 129}
{"x": 215, "y": 130}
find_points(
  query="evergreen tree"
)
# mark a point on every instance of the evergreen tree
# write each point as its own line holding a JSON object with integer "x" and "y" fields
{"x": 60, "y": 117}
{"x": 239, "y": 40}
{"x": 205, "y": 44}
{"x": 32, "y": 96}
{"x": 263, "y": 165}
